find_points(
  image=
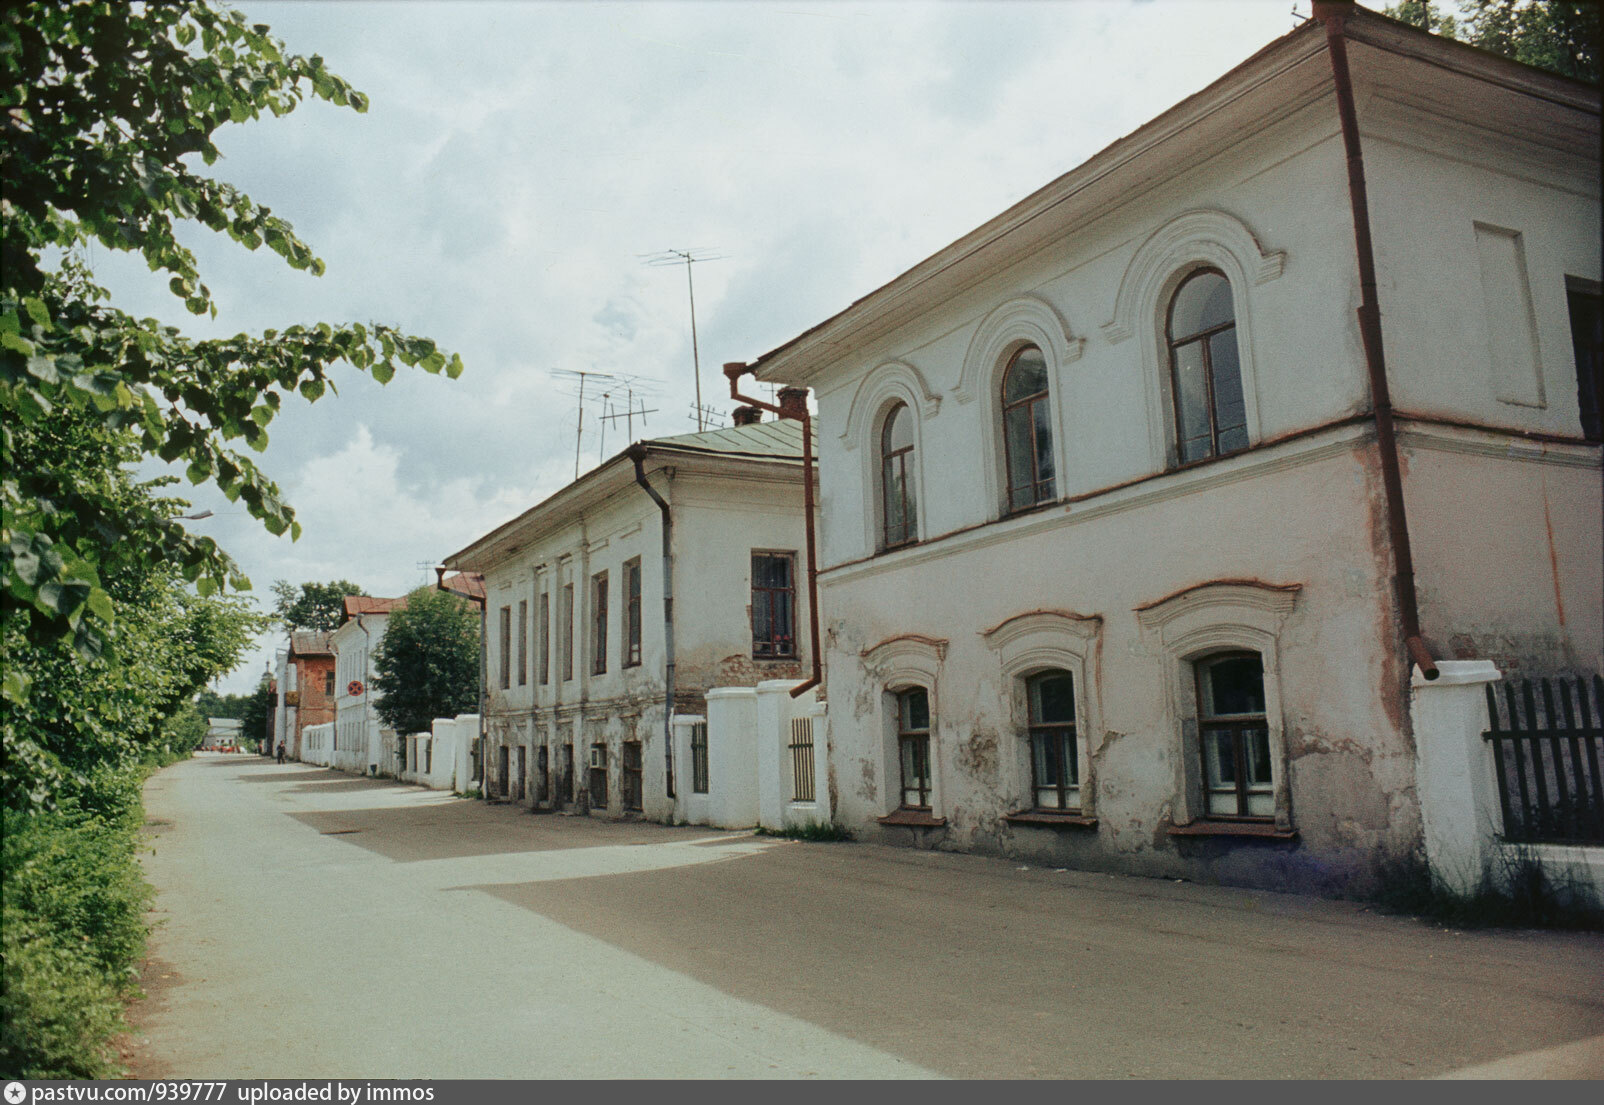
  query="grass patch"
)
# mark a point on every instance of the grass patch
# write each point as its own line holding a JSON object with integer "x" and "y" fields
{"x": 817, "y": 831}
{"x": 1516, "y": 893}
{"x": 74, "y": 932}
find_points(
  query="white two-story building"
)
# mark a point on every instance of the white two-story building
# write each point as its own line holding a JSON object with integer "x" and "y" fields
{"x": 1116, "y": 524}
{"x": 580, "y": 671}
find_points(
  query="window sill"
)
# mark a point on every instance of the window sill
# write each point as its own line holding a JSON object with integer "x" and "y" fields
{"x": 1254, "y": 829}
{"x": 1049, "y": 819}
{"x": 913, "y": 819}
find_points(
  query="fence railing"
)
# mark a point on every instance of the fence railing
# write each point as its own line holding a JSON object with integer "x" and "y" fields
{"x": 802, "y": 759}
{"x": 1547, "y": 744}
{"x": 699, "y": 758}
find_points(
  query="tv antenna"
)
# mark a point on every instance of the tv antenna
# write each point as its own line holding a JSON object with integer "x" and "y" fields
{"x": 707, "y": 418}
{"x": 632, "y": 385}
{"x": 688, "y": 258}
{"x": 573, "y": 382}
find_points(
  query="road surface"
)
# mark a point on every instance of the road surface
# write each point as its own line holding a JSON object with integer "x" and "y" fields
{"x": 312, "y": 924}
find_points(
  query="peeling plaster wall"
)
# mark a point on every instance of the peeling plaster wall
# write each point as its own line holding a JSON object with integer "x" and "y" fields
{"x": 718, "y": 521}
{"x": 1506, "y": 535}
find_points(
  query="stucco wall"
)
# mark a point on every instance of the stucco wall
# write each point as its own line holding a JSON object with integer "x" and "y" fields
{"x": 1507, "y": 533}
{"x": 719, "y": 519}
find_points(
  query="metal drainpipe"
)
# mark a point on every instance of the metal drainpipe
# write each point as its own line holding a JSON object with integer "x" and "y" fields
{"x": 734, "y": 370}
{"x": 1334, "y": 13}
{"x": 637, "y": 454}
{"x": 484, "y": 605}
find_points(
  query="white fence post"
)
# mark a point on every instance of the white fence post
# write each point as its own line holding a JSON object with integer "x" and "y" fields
{"x": 1454, "y": 771}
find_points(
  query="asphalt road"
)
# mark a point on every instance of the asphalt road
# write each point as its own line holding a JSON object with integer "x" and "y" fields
{"x": 312, "y": 924}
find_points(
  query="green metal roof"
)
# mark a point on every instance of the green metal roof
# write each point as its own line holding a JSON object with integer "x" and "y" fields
{"x": 778, "y": 438}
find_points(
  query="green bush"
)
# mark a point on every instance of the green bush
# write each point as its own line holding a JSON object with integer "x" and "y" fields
{"x": 74, "y": 930}
{"x": 817, "y": 831}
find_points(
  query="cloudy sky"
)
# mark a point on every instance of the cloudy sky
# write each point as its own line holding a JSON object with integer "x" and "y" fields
{"x": 520, "y": 157}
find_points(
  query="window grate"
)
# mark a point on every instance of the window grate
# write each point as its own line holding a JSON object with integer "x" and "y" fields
{"x": 802, "y": 759}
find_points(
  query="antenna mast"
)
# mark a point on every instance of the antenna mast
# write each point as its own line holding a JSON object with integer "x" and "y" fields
{"x": 688, "y": 257}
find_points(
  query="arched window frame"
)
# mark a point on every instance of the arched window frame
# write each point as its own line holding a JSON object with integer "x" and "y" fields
{"x": 1189, "y": 242}
{"x": 882, "y": 388}
{"x": 1173, "y": 344}
{"x": 1024, "y": 320}
{"x": 1040, "y": 491}
{"x": 903, "y": 461}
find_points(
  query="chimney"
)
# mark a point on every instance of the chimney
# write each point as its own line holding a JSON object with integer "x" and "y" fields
{"x": 747, "y": 416}
{"x": 793, "y": 403}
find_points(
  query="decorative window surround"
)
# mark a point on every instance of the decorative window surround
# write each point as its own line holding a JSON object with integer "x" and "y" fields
{"x": 1024, "y": 320}
{"x": 1188, "y": 242}
{"x": 1199, "y": 621}
{"x": 898, "y": 664}
{"x": 1043, "y": 640}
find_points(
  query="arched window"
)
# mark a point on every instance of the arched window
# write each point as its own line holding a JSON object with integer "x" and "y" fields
{"x": 899, "y": 523}
{"x": 1027, "y": 430}
{"x": 1238, "y": 771}
{"x": 1054, "y": 757}
{"x": 913, "y": 747}
{"x": 1205, "y": 371}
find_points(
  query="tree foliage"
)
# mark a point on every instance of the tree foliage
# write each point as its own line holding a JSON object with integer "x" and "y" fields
{"x": 1558, "y": 35}
{"x": 428, "y": 663}
{"x": 257, "y": 713}
{"x": 316, "y": 606}
{"x": 107, "y": 117}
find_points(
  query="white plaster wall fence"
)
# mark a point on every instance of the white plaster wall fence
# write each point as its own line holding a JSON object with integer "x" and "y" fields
{"x": 434, "y": 758}
{"x": 693, "y": 803}
{"x": 732, "y": 757}
{"x": 317, "y": 744}
{"x": 791, "y": 738}
{"x": 1459, "y": 789}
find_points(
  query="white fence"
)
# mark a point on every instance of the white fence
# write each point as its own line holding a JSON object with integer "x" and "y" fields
{"x": 753, "y": 742}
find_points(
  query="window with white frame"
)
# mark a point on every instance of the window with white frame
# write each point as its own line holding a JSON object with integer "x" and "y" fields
{"x": 1054, "y": 748}
{"x": 1219, "y": 645}
{"x": 913, "y": 747}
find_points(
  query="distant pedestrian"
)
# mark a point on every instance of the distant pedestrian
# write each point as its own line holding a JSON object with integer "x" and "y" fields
{"x": 280, "y": 751}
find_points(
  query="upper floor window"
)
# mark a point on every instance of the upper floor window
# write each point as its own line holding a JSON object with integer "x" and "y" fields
{"x": 506, "y": 647}
{"x": 567, "y": 630}
{"x": 899, "y": 520}
{"x": 598, "y": 624}
{"x": 1054, "y": 757}
{"x": 1205, "y": 370}
{"x": 1027, "y": 430}
{"x": 773, "y": 605}
{"x": 523, "y": 642}
{"x": 1238, "y": 772}
{"x": 543, "y": 639}
{"x": 632, "y": 622}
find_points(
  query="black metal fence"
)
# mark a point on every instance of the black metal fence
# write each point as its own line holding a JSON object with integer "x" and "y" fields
{"x": 802, "y": 759}
{"x": 1547, "y": 744}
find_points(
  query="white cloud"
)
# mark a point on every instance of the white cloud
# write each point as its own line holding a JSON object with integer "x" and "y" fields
{"x": 519, "y": 157}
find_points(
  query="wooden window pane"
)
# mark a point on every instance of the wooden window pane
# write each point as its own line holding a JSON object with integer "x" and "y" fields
{"x": 1202, "y": 303}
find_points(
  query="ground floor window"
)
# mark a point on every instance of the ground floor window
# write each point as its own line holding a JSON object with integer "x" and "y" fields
{"x": 1238, "y": 770}
{"x": 631, "y": 780}
{"x": 598, "y": 776}
{"x": 1054, "y": 755}
{"x": 913, "y": 747}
